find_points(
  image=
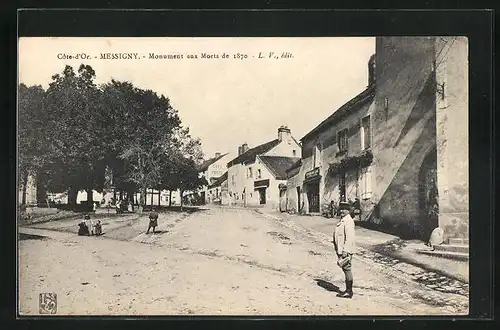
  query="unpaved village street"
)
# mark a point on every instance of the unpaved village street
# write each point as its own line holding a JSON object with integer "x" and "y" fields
{"x": 215, "y": 261}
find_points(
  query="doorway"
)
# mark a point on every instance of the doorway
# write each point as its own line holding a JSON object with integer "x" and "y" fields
{"x": 428, "y": 195}
{"x": 313, "y": 197}
{"x": 262, "y": 196}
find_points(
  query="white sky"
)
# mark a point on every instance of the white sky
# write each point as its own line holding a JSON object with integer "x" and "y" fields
{"x": 225, "y": 102}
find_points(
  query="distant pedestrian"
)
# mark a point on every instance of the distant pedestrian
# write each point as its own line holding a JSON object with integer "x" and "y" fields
{"x": 94, "y": 206}
{"x": 118, "y": 207}
{"x": 153, "y": 221}
{"x": 343, "y": 241}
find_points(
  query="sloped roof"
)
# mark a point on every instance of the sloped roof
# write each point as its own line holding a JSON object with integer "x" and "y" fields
{"x": 204, "y": 166}
{"x": 278, "y": 165}
{"x": 252, "y": 153}
{"x": 367, "y": 95}
{"x": 219, "y": 180}
{"x": 295, "y": 165}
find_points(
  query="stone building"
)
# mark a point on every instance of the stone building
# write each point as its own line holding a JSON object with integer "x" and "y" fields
{"x": 243, "y": 170}
{"x": 212, "y": 169}
{"x": 269, "y": 184}
{"x": 420, "y": 150}
{"x": 217, "y": 191}
{"x": 395, "y": 146}
{"x": 331, "y": 155}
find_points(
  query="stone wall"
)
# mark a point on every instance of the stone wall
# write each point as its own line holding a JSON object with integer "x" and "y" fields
{"x": 403, "y": 125}
{"x": 452, "y": 135}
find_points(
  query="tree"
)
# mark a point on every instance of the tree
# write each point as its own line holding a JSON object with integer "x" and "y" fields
{"x": 188, "y": 178}
{"x": 73, "y": 122}
{"x": 76, "y": 135}
{"x": 146, "y": 124}
{"x": 33, "y": 144}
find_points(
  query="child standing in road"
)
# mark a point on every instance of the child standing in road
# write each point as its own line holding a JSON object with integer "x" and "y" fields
{"x": 153, "y": 221}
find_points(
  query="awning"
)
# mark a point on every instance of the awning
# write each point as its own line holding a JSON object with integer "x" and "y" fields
{"x": 261, "y": 184}
{"x": 313, "y": 179}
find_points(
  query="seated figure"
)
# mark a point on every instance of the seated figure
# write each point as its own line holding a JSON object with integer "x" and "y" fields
{"x": 83, "y": 230}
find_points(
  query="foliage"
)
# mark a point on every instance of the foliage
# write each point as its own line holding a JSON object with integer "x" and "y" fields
{"x": 363, "y": 160}
{"x": 33, "y": 142}
{"x": 76, "y": 156}
{"x": 76, "y": 135}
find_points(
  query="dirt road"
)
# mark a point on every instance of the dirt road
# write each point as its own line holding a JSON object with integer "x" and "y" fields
{"x": 211, "y": 262}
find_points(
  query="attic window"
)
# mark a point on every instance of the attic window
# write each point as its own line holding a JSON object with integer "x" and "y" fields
{"x": 294, "y": 153}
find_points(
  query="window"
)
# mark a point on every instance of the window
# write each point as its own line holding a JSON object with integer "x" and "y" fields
{"x": 249, "y": 174}
{"x": 342, "y": 140}
{"x": 259, "y": 174}
{"x": 365, "y": 133}
{"x": 366, "y": 183}
{"x": 317, "y": 156}
{"x": 294, "y": 153}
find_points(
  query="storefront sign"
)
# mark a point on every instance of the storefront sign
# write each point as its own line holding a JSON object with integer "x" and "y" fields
{"x": 313, "y": 173}
{"x": 261, "y": 183}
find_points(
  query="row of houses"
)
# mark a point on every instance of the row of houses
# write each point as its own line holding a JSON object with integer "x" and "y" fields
{"x": 399, "y": 147}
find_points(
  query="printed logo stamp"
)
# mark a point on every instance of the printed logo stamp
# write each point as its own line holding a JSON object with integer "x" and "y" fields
{"x": 48, "y": 303}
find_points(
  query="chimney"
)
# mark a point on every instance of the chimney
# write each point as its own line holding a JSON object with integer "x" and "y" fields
{"x": 217, "y": 154}
{"x": 371, "y": 70}
{"x": 244, "y": 148}
{"x": 239, "y": 150}
{"x": 284, "y": 133}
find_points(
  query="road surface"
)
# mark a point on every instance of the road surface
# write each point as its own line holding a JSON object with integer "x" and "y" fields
{"x": 211, "y": 262}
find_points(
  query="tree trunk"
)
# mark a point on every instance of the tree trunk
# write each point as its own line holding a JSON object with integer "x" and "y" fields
{"x": 142, "y": 201}
{"x": 159, "y": 197}
{"x": 182, "y": 202}
{"x": 25, "y": 188}
{"x": 41, "y": 191}
{"x": 90, "y": 195}
{"x": 72, "y": 196}
{"x": 170, "y": 198}
{"x": 121, "y": 195}
{"x": 130, "y": 195}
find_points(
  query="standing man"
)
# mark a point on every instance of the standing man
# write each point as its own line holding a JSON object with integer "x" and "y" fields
{"x": 343, "y": 241}
{"x": 153, "y": 220}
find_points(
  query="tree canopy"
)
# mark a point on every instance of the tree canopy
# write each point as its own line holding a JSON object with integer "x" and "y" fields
{"x": 75, "y": 133}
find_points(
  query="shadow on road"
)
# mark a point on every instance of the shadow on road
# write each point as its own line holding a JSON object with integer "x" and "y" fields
{"x": 23, "y": 237}
{"x": 327, "y": 285}
{"x": 157, "y": 232}
{"x": 185, "y": 209}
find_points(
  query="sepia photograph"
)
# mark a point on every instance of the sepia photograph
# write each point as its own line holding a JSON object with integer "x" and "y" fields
{"x": 249, "y": 176}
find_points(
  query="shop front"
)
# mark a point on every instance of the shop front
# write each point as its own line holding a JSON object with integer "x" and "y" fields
{"x": 260, "y": 187}
{"x": 312, "y": 189}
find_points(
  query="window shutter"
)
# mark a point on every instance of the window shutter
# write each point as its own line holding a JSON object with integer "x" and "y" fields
{"x": 362, "y": 136}
{"x": 369, "y": 181}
